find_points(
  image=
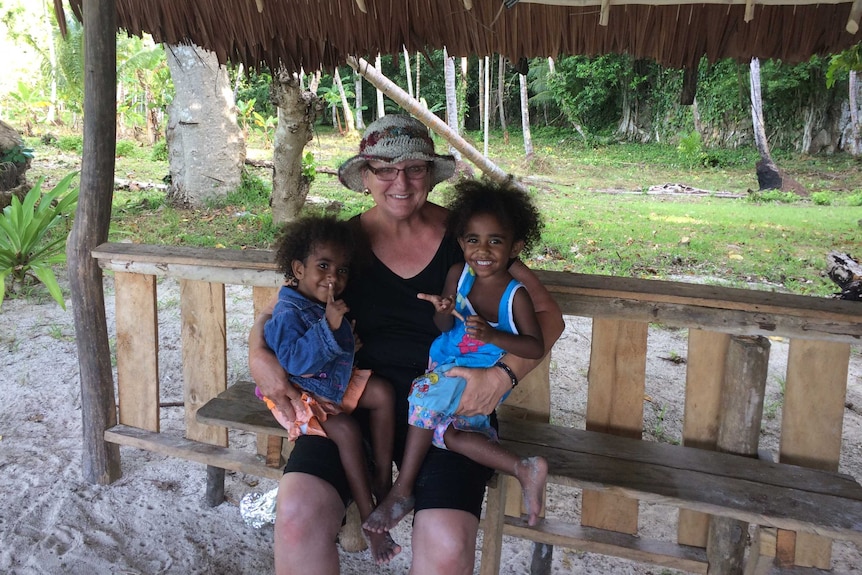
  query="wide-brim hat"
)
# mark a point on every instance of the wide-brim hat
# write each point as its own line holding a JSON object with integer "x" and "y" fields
{"x": 392, "y": 139}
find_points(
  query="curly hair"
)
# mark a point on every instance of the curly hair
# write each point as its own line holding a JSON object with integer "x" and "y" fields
{"x": 511, "y": 205}
{"x": 299, "y": 238}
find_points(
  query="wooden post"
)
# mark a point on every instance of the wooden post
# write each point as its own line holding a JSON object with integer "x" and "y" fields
{"x": 101, "y": 460}
{"x": 739, "y": 431}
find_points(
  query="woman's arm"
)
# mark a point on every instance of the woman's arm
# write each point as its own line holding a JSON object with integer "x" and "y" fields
{"x": 486, "y": 387}
{"x": 266, "y": 371}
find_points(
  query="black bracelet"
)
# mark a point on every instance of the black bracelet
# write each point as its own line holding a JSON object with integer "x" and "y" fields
{"x": 509, "y": 372}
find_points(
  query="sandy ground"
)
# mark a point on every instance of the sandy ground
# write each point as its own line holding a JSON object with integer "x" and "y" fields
{"x": 153, "y": 520}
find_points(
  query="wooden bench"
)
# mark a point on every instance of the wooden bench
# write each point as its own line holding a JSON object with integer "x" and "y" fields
{"x": 760, "y": 492}
{"x": 820, "y": 332}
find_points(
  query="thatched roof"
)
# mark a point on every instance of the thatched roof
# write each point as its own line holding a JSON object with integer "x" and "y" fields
{"x": 311, "y": 33}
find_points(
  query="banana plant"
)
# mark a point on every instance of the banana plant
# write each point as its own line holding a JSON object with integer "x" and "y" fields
{"x": 25, "y": 247}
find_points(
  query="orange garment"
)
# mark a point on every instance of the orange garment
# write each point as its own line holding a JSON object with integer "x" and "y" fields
{"x": 310, "y": 411}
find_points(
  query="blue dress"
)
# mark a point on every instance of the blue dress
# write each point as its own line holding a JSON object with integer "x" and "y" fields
{"x": 434, "y": 397}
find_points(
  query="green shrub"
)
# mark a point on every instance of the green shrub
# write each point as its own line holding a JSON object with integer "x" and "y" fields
{"x": 776, "y": 196}
{"x": 25, "y": 248}
{"x": 690, "y": 149}
{"x": 822, "y": 198}
{"x": 124, "y": 148}
{"x": 160, "y": 151}
{"x": 855, "y": 199}
{"x": 71, "y": 143}
{"x": 252, "y": 191}
{"x": 17, "y": 154}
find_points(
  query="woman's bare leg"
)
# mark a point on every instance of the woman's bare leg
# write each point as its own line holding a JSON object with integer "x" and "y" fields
{"x": 344, "y": 431}
{"x": 444, "y": 542}
{"x": 308, "y": 518}
{"x": 531, "y": 472}
{"x": 399, "y": 502}
{"x": 379, "y": 399}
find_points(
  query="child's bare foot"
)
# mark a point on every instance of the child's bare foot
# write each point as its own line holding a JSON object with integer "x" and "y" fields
{"x": 390, "y": 511}
{"x": 383, "y": 548}
{"x": 532, "y": 472}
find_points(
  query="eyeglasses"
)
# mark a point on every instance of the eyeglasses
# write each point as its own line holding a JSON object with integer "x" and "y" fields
{"x": 387, "y": 174}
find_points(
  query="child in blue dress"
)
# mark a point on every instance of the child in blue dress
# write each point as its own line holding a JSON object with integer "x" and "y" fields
{"x": 315, "y": 344}
{"x": 485, "y": 314}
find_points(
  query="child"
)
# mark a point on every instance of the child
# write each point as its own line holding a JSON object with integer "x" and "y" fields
{"x": 315, "y": 345}
{"x": 493, "y": 224}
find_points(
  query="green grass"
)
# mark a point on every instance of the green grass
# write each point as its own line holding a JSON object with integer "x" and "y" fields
{"x": 599, "y": 220}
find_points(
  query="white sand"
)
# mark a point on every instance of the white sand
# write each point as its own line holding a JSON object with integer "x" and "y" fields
{"x": 153, "y": 520}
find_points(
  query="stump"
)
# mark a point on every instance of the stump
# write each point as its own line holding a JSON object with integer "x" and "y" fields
{"x": 847, "y": 273}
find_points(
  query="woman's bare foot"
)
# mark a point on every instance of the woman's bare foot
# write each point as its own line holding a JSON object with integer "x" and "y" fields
{"x": 387, "y": 515}
{"x": 532, "y": 472}
{"x": 383, "y": 548}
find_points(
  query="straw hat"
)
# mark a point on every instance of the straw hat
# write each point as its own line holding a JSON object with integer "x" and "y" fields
{"x": 392, "y": 139}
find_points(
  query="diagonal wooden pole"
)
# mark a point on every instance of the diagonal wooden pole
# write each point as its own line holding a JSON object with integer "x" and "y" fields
{"x": 403, "y": 99}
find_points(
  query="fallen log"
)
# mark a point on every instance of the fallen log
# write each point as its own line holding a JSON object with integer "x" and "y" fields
{"x": 845, "y": 271}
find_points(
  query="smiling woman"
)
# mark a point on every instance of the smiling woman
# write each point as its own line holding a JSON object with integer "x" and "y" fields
{"x": 407, "y": 251}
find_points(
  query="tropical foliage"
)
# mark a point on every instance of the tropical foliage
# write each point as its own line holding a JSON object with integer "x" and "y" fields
{"x": 27, "y": 248}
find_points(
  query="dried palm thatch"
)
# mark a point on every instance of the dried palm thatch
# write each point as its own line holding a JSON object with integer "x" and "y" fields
{"x": 322, "y": 33}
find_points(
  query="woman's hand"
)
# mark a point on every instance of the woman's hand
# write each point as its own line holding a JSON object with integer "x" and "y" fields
{"x": 484, "y": 391}
{"x": 267, "y": 372}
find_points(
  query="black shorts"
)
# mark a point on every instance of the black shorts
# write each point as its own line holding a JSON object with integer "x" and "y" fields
{"x": 447, "y": 480}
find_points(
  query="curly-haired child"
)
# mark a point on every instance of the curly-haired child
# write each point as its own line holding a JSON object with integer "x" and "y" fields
{"x": 315, "y": 344}
{"x": 484, "y": 315}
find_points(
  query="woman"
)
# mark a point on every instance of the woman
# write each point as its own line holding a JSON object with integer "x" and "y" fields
{"x": 408, "y": 253}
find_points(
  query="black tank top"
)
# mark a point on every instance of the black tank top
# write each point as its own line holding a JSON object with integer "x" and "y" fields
{"x": 395, "y": 327}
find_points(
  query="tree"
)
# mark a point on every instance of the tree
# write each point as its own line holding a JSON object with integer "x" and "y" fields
{"x": 349, "y": 125}
{"x": 849, "y": 61}
{"x": 297, "y": 111}
{"x": 767, "y": 172}
{"x": 206, "y": 150}
{"x": 451, "y": 99}
{"x": 525, "y": 118}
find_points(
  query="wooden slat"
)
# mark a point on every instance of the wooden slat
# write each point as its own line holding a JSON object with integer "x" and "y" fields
{"x": 615, "y": 400}
{"x": 728, "y": 310}
{"x": 213, "y": 455}
{"x": 204, "y": 354}
{"x": 704, "y": 374}
{"x": 589, "y": 539}
{"x": 811, "y": 425}
{"x": 137, "y": 350}
{"x": 238, "y": 408}
{"x": 762, "y": 493}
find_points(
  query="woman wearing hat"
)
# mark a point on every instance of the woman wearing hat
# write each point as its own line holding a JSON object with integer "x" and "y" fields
{"x": 408, "y": 253}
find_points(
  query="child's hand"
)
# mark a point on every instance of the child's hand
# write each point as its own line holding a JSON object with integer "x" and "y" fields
{"x": 442, "y": 305}
{"x": 479, "y": 329}
{"x": 335, "y": 310}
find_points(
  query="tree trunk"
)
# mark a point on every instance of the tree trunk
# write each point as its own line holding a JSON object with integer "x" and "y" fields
{"x": 404, "y": 100}
{"x": 349, "y": 125}
{"x": 418, "y": 59}
{"x": 768, "y": 177}
{"x": 407, "y": 73}
{"x": 855, "y": 147}
{"x": 206, "y": 149}
{"x": 525, "y": 118}
{"x": 481, "y": 92}
{"x": 451, "y": 99}
{"x": 297, "y": 111}
{"x": 501, "y": 95}
{"x": 486, "y": 83}
{"x": 380, "y": 107}
{"x": 52, "y": 60}
{"x": 101, "y": 460}
{"x": 357, "y": 89}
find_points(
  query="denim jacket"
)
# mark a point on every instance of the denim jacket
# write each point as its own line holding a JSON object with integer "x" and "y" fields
{"x": 317, "y": 359}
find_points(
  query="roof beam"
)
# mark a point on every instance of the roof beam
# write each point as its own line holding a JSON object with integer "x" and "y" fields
{"x": 855, "y": 15}
{"x": 579, "y": 3}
